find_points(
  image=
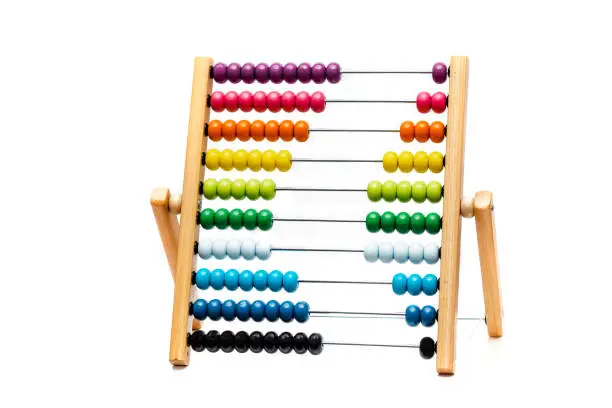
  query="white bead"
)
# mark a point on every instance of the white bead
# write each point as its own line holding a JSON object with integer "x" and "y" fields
{"x": 233, "y": 248}
{"x": 385, "y": 252}
{"x": 205, "y": 248}
{"x": 248, "y": 249}
{"x": 415, "y": 253}
{"x": 432, "y": 253}
{"x": 219, "y": 248}
{"x": 263, "y": 250}
{"x": 370, "y": 252}
{"x": 400, "y": 252}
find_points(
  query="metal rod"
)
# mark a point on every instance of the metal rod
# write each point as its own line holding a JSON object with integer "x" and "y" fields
{"x": 357, "y": 130}
{"x": 315, "y": 250}
{"x": 342, "y": 190}
{"x": 384, "y": 72}
{"x": 366, "y": 101}
{"x": 337, "y": 160}
{"x": 313, "y": 220}
{"x": 335, "y": 343}
{"x": 345, "y": 282}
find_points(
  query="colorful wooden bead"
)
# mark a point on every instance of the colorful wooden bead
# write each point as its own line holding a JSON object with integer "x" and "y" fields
{"x": 275, "y": 281}
{"x": 254, "y": 158}
{"x": 268, "y": 160}
{"x": 373, "y": 222}
{"x": 259, "y": 101}
{"x": 239, "y": 189}
{"x": 283, "y": 160}
{"x": 405, "y": 162}
{"x": 205, "y": 248}
{"x": 241, "y": 339}
{"x": 243, "y": 130}
{"x": 213, "y": 337}
{"x": 421, "y": 131}
{"x": 436, "y": 162}
{"x": 226, "y": 160}
{"x": 439, "y": 72}
{"x": 390, "y": 162}
{"x": 243, "y": 311}
{"x": 301, "y": 131}
{"x": 272, "y": 310}
{"x": 413, "y": 315}
{"x": 431, "y": 253}
{"x": 247, "y": 249}
{"x": 417, "y": 223}
{"x": 263, "y": 250}
{"x": 226, "y": 340}
{"x": 275, "y": 72}
{"x": 437, "y": 131}
{"x": 400, "y": 252}
{"x": 229, "y": 130}
{"x": 290, "y": 73}
{"x": 221, "y": 218}
{"x": 203, "y": 278}
{"x": 398, "y": 284}
{"x": 240, "y": 159}
{"x": 207, "y": 218}
{"x": 217, "y": 101}
{"x": 200, "y": 309}
{"x": 228, "y": 310}
{"x": 232, "y": 279}
{"x": 264, "y": 220}
{"x": 286, "y": 130}
{"x": 234, "y": 248}
{"x": 231, "y": 101}
{"x": 315, "y": 344}
{"x": 428, "y": 316}
{"x": 385, "y": 252}
{"x": 258, "y": 130}
{"x": 302, "y": 101}
{"x": 252, "y": 189}
{"x": 210, "y": 189}
{"x": 421, "y": 162}
{"x": 260, "y": 280}
{"x": 267, "y": 189}
{"x": 285, "y": 342}
{"x": 258, "y": 310}
{"x": 288, "y": 101}
{"x": 434, "y": 191}
{"x": 272, "y": 131}
{"x": 286, "y": 311}
{"x": 317, "y": 102}
{"x": 415, "y": 253}
{"x": 220, "y": 73}
{"x": 413, "y": 284}
{"x": 245, "y": 101}
{"x": 233, "y": 72}
{"x": 261, "y": 73}
{"x": 247, "y": 73}
{"x": 419, "y": 191}
{"x": 270, "y": 342}
{"x": 402, "y": 223}
{"x": 213, "y": 309}
{"x": 407, "y": 131}
{"x": 423, "y": 102}
{"x": 245, "y": 280}
{"x": 300, "y": 343}
{"x": 212, "y": 159}
{"x": 333, "y": 73}
{"x": 374, "y": 191}
{"x": 438, "y": 102}
{"x": 387, "y": 222}
{"x": 273, "y": 102}
{"x": 236, "y": 219}
{"x": 389, "y": 191}
{"x": 301, "y": 312}
{"x": 433, "y": 223}
{"x": 290, "y": 281}
{"x": 430, "y": 284}
{"x": 256, "y": 342}
{"x": 214, "y": 130}
{"x": 318, "y": 73}
{"x": 304, "y": 73}
{"x": 370, "y": 252}
{"x": 404, "y": 191}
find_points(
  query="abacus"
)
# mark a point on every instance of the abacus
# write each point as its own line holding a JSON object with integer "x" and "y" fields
{"x": 182, "y": 241}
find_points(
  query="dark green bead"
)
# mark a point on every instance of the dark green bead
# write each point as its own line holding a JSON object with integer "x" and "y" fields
{"x": 236, "y": 219}
{"x": 373, "y": 221}
{"x": 222, "y": 218}
{"x": 250, "y": 219}
{"x": 433, "y": 223}
{"x": 207, "y": 218}
{"x": 417, "y": 223}
{"x": 402, "y": 223}
{"x": 264, "y": 220}
{"x": 387, "y": 222}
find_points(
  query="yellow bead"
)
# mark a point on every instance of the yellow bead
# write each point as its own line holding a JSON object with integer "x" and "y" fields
{"x": 421, "y": 162}
{"x": 240, "y": 159}
{"x": 405, "y": 162}
{"x": 436, "y": 162}
{"x": 212, "y": 159}
{"x": 390, "y": 162}
{"x": 254, "y": 160}
{"x": 283, "y": 160}
{"x": 268, "y": 160}
{"x": 226, "y": 161}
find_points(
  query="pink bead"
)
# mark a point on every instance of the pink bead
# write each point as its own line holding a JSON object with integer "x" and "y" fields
{"x": 231, "y": 101}
{"x": 317, "y": 102}
{"x": 259, "y": 101}
{"x": 302, "y": 101}
{"x": 273, "y": 102}
{"x": 438, "y": 102}
{"x": 245, "y": 101}
{"x": 288, "y": 101}
{"x": 217, "y": 101}
{"x": 423, "y": 102}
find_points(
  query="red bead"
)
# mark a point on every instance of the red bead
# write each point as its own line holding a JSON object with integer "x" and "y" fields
{"x": 217, "y": 101}
{"x": 302, "y": 101}
{"x": 259, "y": 101}
{"x": 423, "y": 102}
{"x": 317, "y": 102}
{"x": 273, "y": 102}
{"x": 288, "y": 101}
{"x": 231, "y": 101}
{"x": 438, "y": 102}
{"x": 245, "y": 101}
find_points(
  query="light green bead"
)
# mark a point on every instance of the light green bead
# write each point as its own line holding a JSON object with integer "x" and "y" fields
{"x": 210, "y": 189}
{"x": 252, "y": 189}
{"x": 389, "y": 191}
{"x": 239, "y": 189}
{"x": 374, "y": 191}
{"x": 267, "y": 189}
{"x": 224, "y": 189}
{"x": 434, "y": 191}
{"x": 404, "y": 191}
{"x": 419, "y": 191}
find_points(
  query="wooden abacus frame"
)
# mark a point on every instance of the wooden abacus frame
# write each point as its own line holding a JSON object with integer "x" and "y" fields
{"x": 178, "y": 238}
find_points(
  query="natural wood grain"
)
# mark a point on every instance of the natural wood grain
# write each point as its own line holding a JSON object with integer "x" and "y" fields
{"x": 467, "y": 207}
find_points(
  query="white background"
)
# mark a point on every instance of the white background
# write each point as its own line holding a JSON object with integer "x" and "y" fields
{"x": 94, "y": 101}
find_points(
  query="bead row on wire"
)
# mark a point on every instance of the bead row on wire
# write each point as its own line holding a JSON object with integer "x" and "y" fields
{"x": 239, "y": 189}
{"x": 427, "y": 316}
{"x": 234, "y": 249}
{"x": 273, "y": 101}
{"x": 402, "y": 252}
{"x": 258, "y": 130}
{"x": 422, "y": 131}
{"x": 244, "y": 310}
{"x": 403, "y": 222}
{"x": 253, "y": 160}
{"x": 420, "y": 162}
{"x": 236, "y": 219}
{"x": 246, "y": 280}
{"x": 414, "y": 284}
{"x": 404, "y": 191}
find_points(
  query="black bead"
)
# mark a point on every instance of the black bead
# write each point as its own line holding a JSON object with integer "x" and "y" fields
{"x": 197, "y": 340}
{"x": 241, "y": 342}
{"x": 212, "y": 341}
{"x": 427, "y": 348}
{"x": 315, "y": 343}
{"x": 271, "y": 342}
{"x": 285, "y": 342}
{"x": 256, "y": 341}
{"x": 227, "y": 341}
{"x": 300, "y": 343}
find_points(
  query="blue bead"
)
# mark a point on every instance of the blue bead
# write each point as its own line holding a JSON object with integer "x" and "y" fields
{"x": 430, "y": 284}
{"x": 199, "y": 309}
{"x": 413, "y": 315}
{"x": 217, "y": 279}
{"x": 243, "y": 310}
{"x": 258, "y": 310}
{"x": 290, "y": 281}
{"x": 246, "y": 280}
{"x": 272, "y": 310}
{"x": 286, "y": 311}
{"x": 203, "y": 279}
{"x": 231, "y": 279}
{"x": 398, "y": 284}
{"x": 214, "y": 309}
{"x": 428, "y": 316}
{"x": 301, "y": 311}
{"x": 275, "y": 281}
{"x": 413, "y": 285}
{"x": 228, "y": 310}
{"x": 260, "y": 280}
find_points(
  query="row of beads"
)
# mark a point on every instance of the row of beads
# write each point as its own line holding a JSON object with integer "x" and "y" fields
{"x": 273, "y": 101}
{"x": 414, "y": 284}
{"x": 426, "y": 316}
{"x": 258, "y": 310}
{"x": 253, "y": 160}
{"x": 256, "y": 342}
{"x": 290, "y": 73}
{"x": 422, "y": 131}
{"x": 426, "y": 102}
{"x": 258, "y": 130}
{"x": 420, "y": 162}
{"x": 404, "y": 191}
{"x": 403, "y": 222}
{"x": 402, "y": 252}
{"x": 246, "y": 280}
{"x": 236, "y": 219}
{"x": 238, "y": 189}
{"x": 234, "y": 249}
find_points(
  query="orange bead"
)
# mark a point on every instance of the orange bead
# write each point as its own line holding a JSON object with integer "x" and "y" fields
{"x": 286, "y": 130}
{"x": 258, "y": 130}
{"x": 437, "y": 130}
{"x": 301, "y": 131}
{"x": 214, "y": 130}
{"x": 272, "y": 131}
{"x": 243, "y": 130}
{"x": 421, "y": 131}
{"x": 407, "y": 131}
{"x": 229, "y": 130}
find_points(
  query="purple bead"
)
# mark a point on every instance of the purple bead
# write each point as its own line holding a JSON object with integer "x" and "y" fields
{"x": 261, "y": 73}
{"x": 318, "y": 73}
{"x": 233, "y": 73}
{"x": 304, "y": 73}
{"x": 276, "y": 73}
{"x": 333, "y": 73}
{"x": 290, "y": 73}
{"x": 247, "y": 73}
{"x": 220, "y": 73}
{"x": 439, "y": 72}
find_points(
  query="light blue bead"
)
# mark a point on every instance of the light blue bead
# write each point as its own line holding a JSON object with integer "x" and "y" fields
{"x": 203, "y": 279}
{"x": 219, "y": 248}
{"x": 428, "y": 316}
{"x": 275, "y": 281}
{"x": 233, "y": 248}
{"x": 205, "y": 248}
{"x": 214, "y": 309}
{"x": 258, "y": 310}
{"x": 370, "y": 252}
{"x": 246, "y": 280}
{"x": 243, "y": 310}
{"x": 290, "y": 281}
{"x": 231, "y": 279}
{"x": 260, "y": 280}
{"x": 228, "y": 310}
{"x": 413, "y": 315}
{"x": 272, "y": 310}
{"x": 400, "y": 252}
{"x": 415, "y": 253}
{"x": 301, "y": 311}
{"x": 431, "y": 253}
{"x": 398, "y": 284}
{"x": 217, "y": 279}
{"x": 263, "y": 250}
{"x": 199, "y": 309}
{"x": 413, "y": 285}
{"x": 286, "y": 311}
{"x": 385, "y": 252}
{"x": 247, "y": 249}
{"x": 430, "y": 284}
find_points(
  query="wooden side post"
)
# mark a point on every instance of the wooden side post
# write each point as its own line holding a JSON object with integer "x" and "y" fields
{"x": 451, "y": 224}
{"x": 190, "y": 204}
